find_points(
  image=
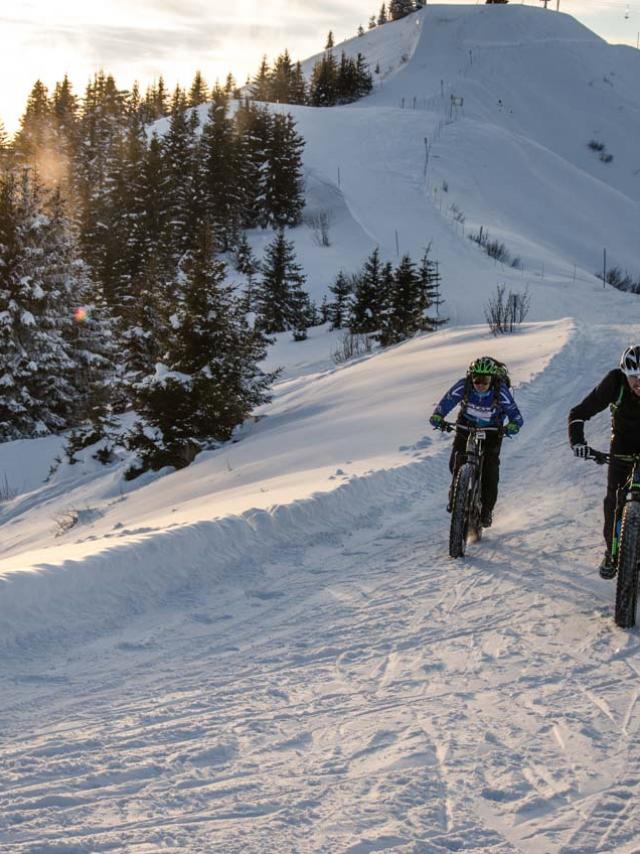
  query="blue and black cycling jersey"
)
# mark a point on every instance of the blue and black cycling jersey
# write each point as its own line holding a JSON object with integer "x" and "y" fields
{"x": 489, "y": 408}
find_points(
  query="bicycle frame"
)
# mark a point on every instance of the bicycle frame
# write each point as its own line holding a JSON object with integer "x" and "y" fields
{"x": 474, "y": 459}
{"x": 629, "y": 491}
{"x": 625, "y": 543}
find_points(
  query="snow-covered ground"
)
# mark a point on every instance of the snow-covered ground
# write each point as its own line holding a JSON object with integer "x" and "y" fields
{"x": 271, "y": 651}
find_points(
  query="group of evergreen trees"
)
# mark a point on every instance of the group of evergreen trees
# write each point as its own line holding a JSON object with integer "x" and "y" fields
{"x": 51, "y": 364}
{"x": 138, "y": 197}
{"x": 110, "y": 284}
{"x": 392, "y": 304}
{"x": 394, "y": 11}
{"x": 114, "y": 296}
{"x": 331, "y": 82}
{"x": 183, "y": 357}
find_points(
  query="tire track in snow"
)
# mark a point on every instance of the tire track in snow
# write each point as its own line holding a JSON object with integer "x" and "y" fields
{"x": 390, "y": 697}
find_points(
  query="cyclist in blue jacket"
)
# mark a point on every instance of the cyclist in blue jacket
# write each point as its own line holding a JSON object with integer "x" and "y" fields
{"x": 485, "y": 400}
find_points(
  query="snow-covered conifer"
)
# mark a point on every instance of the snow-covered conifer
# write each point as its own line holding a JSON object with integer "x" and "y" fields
{"x": 338, "y": 309}
{"x": 221, "y": 172}
{"x": 281, "y": 301}
{"x": 209, "y": 380}
{"x": 367, "y": 298}
{"x": 283, "y": 188}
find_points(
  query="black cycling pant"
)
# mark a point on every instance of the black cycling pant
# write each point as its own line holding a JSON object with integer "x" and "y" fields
{"x": 490, "y": 466}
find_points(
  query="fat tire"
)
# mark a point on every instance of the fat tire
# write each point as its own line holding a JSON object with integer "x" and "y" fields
{"x": 628, "y": 556}
{"x": 460, "y": 511}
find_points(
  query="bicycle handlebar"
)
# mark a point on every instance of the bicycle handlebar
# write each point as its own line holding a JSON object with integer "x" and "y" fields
{"x": 600, "y": 457}
{"x": 450, "y": 426}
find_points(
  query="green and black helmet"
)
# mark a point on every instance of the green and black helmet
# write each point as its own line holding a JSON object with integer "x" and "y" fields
{"x": 485, "y": 365}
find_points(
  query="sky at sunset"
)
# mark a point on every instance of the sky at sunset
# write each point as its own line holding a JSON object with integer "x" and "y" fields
{"x": 143, "y": 39}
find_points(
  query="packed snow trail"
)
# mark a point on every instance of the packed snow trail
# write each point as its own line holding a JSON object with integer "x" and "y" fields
{"x": 365, "y": 693}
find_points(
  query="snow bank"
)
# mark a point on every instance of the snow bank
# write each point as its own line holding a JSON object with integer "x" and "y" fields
{"x": 334, "y": 451}
{"x": 79, "y": 598}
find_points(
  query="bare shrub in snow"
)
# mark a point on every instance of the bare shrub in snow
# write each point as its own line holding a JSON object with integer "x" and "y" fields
{"x": 505, "y": 311}
{"x": 599, "y": 147}
{"x": 7, "y": 492}
{"x": 351, "y": 344}
{"x": 495, "y": 249}
{"x": 623, "y": 281}
{"x": 320, "y": 223}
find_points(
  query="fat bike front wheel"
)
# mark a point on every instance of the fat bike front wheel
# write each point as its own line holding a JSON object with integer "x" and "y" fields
{"x": 628, "y": 557}
{"x": 460, "y": 507}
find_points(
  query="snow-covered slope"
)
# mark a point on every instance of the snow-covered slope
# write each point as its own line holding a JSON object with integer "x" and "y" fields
{"x": 537, "y": 87}
{"x": 270, "y": 650}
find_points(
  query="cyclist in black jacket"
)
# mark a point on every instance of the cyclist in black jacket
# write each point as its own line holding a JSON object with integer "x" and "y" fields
{"x": 619, "y": 390}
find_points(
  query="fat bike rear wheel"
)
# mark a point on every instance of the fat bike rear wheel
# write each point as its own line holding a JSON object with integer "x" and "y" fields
{"x": 628, "y": 556}
{"x": 460, "y": 511}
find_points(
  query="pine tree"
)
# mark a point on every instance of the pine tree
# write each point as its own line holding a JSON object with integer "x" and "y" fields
{"x": 360, "y": 30}
{"x": 382, "y": 15}
{"x": 281, "y": 79}
{"x": 347, "y": 81}
{"x": 182, "y": 200}
{"x": 404, "y": 312}
{"x": 254, "y": 130}
{"x": 323, "y": 85}
{"x": 222, "y": 172}
{"x": 283, "y": 188}
{"x": 64, "y": 115}
{"x": 372, "y": 23}
{"x": 298, "y": 86}
{"x": 95, "y": 353}
{"x": 281, "y": 301}
{"x": 102, "y": 128}
{"x": 430, "y": 279}
{"x": 400, "y": 9}
{"x": 37, "y": 277}
{"x": 368, "y": 297}
{"x": 35, "y": 134}
{"x": 6, "y": 151}
{"x": 338, "y": 310}
{"x": 364, "y": 80}
{"x": 154, "y": 200}
{"x": 247, "y": 264}
{"x": 146, "y": 332}
{"x": 261, "y": 85}
{"x": 126, "y": 243}
{"x": 210, "y": 380}
{"x": 329, "y": 43}
{"x": 198, "y": 93}
{"x": 230, "y": 88}
{"x": 156, "y": 102}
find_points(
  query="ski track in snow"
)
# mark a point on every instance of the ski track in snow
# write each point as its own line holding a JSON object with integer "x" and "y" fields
{"x": 365, "y": 693}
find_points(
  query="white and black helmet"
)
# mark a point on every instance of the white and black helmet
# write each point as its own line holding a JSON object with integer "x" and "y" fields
{"x": 630, "y": 361}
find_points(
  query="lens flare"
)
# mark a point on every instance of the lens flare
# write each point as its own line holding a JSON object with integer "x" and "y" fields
{"x": 81, "y": 314}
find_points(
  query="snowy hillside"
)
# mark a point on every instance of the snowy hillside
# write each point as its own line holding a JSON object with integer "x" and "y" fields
{"x": 270, "y": 650}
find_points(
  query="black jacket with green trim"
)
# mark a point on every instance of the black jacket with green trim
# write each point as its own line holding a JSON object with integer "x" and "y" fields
{"x": 613, "y": 391}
